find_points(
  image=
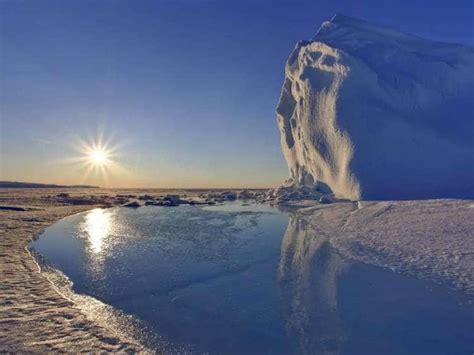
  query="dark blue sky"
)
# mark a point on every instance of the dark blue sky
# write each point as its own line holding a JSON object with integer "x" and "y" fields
{"x": 189, "y": 87}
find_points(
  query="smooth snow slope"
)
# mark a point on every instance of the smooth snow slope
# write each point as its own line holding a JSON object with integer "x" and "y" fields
{"x": 377, "y": 114}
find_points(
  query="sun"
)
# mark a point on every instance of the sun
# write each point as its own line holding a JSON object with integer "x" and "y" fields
{"x": 98, "y": 156}
{"x": 98, "y": 159}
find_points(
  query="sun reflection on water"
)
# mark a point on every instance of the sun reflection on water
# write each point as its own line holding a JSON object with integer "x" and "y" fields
{"x": 98, "y": 225}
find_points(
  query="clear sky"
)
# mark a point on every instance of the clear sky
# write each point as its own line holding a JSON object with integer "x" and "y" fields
{"x": 186, "y": 90}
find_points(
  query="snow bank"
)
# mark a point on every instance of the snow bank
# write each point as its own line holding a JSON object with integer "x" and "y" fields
{"x": 376, "y": 114}
{"x": 432, "y": 239}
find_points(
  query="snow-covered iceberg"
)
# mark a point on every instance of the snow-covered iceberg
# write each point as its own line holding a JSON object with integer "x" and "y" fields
{"x": 372, "y": 113}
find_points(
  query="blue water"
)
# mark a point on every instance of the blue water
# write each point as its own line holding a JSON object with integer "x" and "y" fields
{"x": 237, "y": 279}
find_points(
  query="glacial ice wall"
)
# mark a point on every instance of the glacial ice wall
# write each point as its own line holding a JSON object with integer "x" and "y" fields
{"x": 371, "y": 113}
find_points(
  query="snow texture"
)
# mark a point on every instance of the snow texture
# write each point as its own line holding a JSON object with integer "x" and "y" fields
{"x": 372, "y": 113}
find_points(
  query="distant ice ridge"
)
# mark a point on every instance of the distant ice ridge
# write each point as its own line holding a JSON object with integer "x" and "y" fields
{"x": 370, "y": 113}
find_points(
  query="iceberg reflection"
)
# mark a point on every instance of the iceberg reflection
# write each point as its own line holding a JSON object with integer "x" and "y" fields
{"x": 308, "y": 275}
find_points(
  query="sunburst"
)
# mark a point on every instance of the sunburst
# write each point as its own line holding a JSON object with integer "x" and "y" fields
{"x": 96, "y": 160}
{"x": 99, "y": 157}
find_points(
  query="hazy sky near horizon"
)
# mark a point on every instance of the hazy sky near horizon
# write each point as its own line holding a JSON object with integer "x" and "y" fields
{"x": 186, "y": 90}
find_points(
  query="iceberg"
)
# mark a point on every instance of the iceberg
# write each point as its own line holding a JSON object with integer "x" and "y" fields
{"x": 367, "y": 112}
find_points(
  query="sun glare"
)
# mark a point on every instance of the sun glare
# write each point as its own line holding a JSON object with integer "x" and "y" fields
{"x": 98, "y": 156}
{"x": 98, "y": 226}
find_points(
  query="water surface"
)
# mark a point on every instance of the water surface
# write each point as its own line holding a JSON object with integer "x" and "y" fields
{"x": 250, "y": 280}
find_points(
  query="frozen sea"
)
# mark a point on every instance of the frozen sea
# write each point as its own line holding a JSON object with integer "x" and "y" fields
{"x": 250, "y": 279}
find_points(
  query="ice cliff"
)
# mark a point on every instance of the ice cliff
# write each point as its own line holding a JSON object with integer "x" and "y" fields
{"x": 370, "y": 113}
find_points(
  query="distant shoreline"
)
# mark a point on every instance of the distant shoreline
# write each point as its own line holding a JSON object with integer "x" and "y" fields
{"x": 34, "y": 185}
